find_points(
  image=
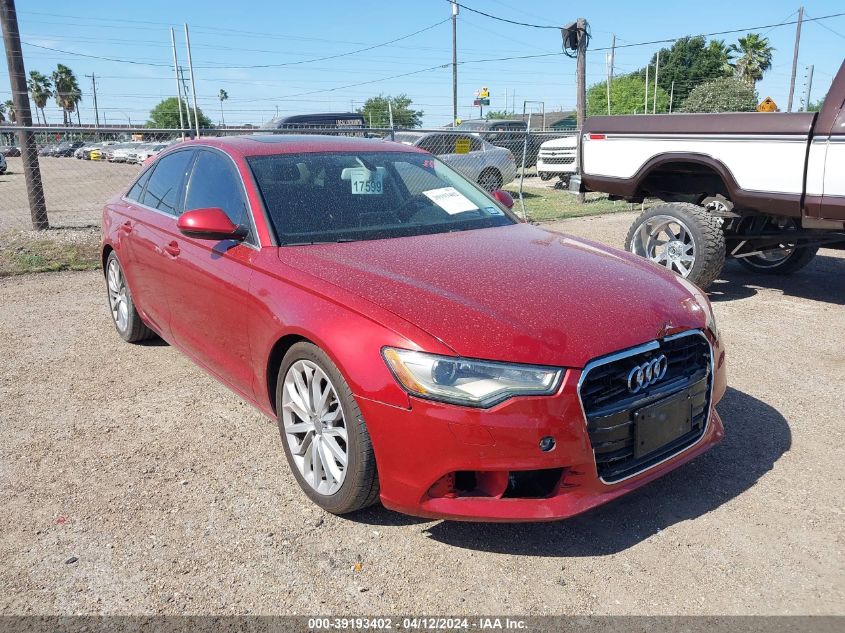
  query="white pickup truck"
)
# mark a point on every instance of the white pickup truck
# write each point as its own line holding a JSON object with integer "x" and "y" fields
{"x": 767, "y": 189}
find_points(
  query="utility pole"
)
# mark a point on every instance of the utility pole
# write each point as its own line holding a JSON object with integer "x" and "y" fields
{"x": 795, "y": 59}
{"x": 610, "y": 71}
{"x": 607, "y": 76}
{"x": 581, "y": 88}
{"x": 455, "y": 10}
{"x": 94, "y": 88}
{"x": 646, "y": 89}
{"x": 656, "y": 70}
{"x": 187, "y": 107}
{"x": 808, "y": 87}
{"x": 23, "y": 115}
{"x": 193, "y": 81}
{"x": 178, "y": 88}
{"x": 671, "y": 96}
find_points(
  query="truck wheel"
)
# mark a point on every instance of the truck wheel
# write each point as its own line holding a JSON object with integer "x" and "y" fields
{"x": 545, "y": 175}
{"x": 780, "y": 262}
{"x": 683, "y": 237}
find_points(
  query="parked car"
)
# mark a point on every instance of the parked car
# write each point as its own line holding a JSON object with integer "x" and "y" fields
{"x": 3, "y": 166}
{"x": 66, "y": 149}
{"x": 507, "y": 133}
{"x": 99, "y": 148}
{"x": 10, "y": 151}
{"x": 765, "y": 189}
{"x": 489, "y": 166}
{"x": 143, "y": 152}
{"x": 413, "y": 340}
{"x": 557, "y": 158}
{"x": 319, "y": 121}
{"x": 123, "y": 153}
{"x": 47, "y": 149}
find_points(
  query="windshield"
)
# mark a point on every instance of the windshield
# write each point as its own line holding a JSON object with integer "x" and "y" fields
{"x": 330, "y": 197}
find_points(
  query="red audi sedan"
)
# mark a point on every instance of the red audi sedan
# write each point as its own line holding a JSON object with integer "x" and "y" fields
{"x": 416, "y": 343}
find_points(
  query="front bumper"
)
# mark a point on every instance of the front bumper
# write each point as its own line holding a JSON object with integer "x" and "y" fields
{"x": 417, "y": 448}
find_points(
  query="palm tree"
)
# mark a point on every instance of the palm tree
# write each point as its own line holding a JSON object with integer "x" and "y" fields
{"x": 40, "y": 89}
{"x": 222, "y": 96}
{"x": 10, "y": 110}
{"x": 755, "y": 57}
{"x": 2, "y": 112}
{"x": 68, "y": 94}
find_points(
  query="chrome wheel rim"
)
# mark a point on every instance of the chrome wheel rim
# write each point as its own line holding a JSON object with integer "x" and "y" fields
{"x": 774, "y": 257}
{"x": 667, "y": 241}
{"x": 314, "y": 427}
{"x": 118, "y": 296}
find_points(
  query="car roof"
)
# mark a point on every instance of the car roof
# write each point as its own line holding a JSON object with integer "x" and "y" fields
{"x": 269, "y": 144}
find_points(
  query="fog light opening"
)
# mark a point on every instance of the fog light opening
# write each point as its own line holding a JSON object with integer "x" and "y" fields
{"x": 547, "y": 444}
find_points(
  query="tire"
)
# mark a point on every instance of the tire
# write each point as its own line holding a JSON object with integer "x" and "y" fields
{"x": 776, "y": 261}
{"x": 125, "y": 316}
{"x": 697, "y": 253}
{"x": 359, "y": 485}
{"x": 545, "y": 175}
{"x": 490, "y": 179}
{"x": 796, "y": 260}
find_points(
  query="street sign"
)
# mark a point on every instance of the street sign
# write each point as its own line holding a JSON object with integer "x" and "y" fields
{"x": 484, "y": 93}
{"x": 462, "y": 146}
{"x": 767, "y": 105}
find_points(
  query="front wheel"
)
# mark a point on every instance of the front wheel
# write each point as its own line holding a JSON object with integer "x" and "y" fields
{"x": 323, "y": 432}
{"x": 683, "y": 237}
{"x": 546, "y": 175}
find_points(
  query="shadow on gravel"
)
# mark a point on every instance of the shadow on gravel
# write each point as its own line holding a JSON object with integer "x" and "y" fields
{"x": 822, "y": 280}
{"x": 756, "y": 436}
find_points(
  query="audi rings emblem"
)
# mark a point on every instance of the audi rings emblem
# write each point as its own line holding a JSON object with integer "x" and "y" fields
{"x": 647, "y": 374}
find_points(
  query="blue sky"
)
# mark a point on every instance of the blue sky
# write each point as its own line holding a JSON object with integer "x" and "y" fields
{"x": 226, "y": 34}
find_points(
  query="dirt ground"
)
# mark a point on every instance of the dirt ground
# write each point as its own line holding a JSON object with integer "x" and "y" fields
{"x": 131, "y": 482}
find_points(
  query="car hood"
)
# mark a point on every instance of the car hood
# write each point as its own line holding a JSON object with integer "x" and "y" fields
{"x": 568, "y": 142}
{"x": 518, "y": 293}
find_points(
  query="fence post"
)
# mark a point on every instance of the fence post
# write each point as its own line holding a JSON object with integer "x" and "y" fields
{"x": 23, "y": 115}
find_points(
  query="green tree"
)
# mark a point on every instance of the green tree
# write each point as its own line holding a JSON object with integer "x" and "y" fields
{"x": 815, "y": 106}
{"x": 497, "y": 114}
{"x": 68, "y": 95}
{"x": 9, "y": 106}
{"x": 627, "y": 96}
{"x": 755, "y": 57}
{"x": 166, "y": 115}
{"x": 689, "y": 62}
{"x": 727, "y": 94}
{"x": 223, "y": 95}
{"x": 40, "y": 89}
{"x": 376, "y": 112}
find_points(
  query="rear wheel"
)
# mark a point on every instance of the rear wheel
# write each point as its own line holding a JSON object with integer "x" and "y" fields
{"x": 546, "y": 175}
{"x": 323, "y": 432}
{"x": 124, "y": 315}
{"x": 683, "y": 237}
{"x": 787, "y": 257}
{"x": 490, "y": 179}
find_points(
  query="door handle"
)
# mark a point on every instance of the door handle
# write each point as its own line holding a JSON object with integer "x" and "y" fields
{"x": 126, "y": 227}
{"x": 172, "y": 249}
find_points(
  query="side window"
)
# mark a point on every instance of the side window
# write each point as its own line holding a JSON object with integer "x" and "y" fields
{"x": 165, "y": 185}
{"x": 476, "y": 144}
{"x": 434, "y": 144}
{"x": 138, "y": 188}
{"x": 215, "y": 183}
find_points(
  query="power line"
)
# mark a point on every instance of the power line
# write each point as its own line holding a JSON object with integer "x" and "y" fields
{"x": 501, "y": 19}
{"x": 825, "y": 26}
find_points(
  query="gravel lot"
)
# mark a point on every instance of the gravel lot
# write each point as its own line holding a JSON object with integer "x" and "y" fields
{"x": 131, "y": 482}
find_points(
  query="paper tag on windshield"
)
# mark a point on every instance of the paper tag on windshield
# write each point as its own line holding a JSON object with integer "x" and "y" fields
{"x": 366, "y": 182}
{"x": 450, "y": 200}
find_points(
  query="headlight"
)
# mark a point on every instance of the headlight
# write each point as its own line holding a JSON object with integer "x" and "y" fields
{"x": 472, "y": 383}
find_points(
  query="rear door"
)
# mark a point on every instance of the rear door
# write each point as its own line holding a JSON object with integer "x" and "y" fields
{"x": 152, "y": 220}
{"x": 208, "y": 291}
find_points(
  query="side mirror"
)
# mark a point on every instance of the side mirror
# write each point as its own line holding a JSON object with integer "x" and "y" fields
{"x": 504, "y": 197}
{"x": 209, "y": 224}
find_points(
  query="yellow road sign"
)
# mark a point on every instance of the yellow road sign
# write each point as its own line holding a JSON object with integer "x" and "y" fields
{"x": 767, "y": 105}
{"x": 484, "y": 93}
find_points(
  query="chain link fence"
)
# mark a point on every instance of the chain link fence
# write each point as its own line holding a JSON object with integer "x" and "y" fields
{"x": 81, "y": 168}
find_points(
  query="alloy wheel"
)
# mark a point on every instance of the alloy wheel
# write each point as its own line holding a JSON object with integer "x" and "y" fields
{"x": 667, "y": 241}
{"x": 314, "y": 427}
{"x": 118, "y": 299}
